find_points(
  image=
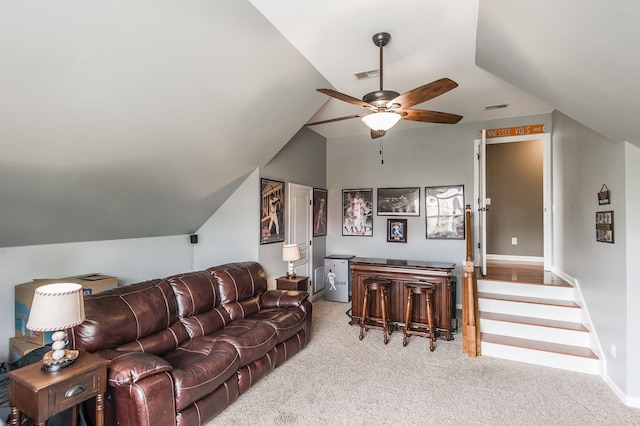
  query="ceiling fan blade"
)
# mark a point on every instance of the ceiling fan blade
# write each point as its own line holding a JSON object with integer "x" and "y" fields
{"x": 424, "y": 93}
{"x": 375, "y": 134}
{"x": 429, "y": 116}
{"x": 331, "y": 120}
{"x": 346, "y": 98}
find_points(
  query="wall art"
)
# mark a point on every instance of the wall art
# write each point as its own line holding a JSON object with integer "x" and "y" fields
{"x": 271, "y": 211}
{"x": 319, "y": 212}
{"x": 357, "y": 212}
{"x": 398, "y": 201}
{"x": 445, "y": 212}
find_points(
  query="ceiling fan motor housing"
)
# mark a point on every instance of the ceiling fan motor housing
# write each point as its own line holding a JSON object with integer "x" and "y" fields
{"x": 380, "y": 98}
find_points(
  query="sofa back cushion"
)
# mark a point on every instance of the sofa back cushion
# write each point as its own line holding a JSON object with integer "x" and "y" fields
{"x": 198, "y": 302}
{"x": 240, "y": 286}
{"x": 140, "y": 317}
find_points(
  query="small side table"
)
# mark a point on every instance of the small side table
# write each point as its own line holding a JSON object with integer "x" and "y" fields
{"x": 296, "y": 283}
{"x": 40, "y": 394}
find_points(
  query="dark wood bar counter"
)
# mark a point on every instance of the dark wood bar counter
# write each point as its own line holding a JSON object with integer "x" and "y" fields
{"x": 399, "y": 272}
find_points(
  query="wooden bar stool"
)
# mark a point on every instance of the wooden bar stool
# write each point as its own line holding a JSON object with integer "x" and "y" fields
{"x": 381, "y": 287}
{"x": 426, "y": 289}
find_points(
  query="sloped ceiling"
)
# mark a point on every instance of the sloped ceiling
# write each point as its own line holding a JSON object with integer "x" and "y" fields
{"x": 122, "y": 119}
{"x": 581, "y": 57}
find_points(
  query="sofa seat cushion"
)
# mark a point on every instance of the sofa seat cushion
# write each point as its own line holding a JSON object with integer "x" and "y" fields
{"x": 251, "y": 338}
{"x": 286, "y": 321}
{"x": 199, "y": 367}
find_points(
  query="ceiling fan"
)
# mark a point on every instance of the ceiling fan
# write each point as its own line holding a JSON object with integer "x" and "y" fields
{"x": 387, "y": 107}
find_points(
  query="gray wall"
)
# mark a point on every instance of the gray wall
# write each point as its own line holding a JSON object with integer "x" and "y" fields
{"x": 514, "y": 184}
{"x": 583, "y": 161}
{"x": 302, "y": 161}
{"x": 429, "y": 156}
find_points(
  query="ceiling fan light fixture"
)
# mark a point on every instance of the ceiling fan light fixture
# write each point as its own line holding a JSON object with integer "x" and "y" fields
{"x": 383, "y": 120}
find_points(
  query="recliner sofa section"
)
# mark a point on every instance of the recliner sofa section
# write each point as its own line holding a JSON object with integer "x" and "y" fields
{"x": 183, "y": 348}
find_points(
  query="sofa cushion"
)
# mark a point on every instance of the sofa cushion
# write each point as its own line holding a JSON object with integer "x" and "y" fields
{"x": 251, "y": 338}
{"x": 286, "y": 321}
{"x": 141, "y": 316}
{"x": 199, "y": 366}
{"x": 240, "y": 285}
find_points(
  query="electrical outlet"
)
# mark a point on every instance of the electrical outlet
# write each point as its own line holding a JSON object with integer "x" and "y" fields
{"x": 514, "y": 241}
{"x": 613, "y": 350}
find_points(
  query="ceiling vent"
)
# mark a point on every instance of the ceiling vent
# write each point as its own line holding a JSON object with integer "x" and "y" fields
{"x": 367, "y": 74}
{"x": 492, "y": 107}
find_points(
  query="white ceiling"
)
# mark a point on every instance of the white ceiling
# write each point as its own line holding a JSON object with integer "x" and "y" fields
{"x": 126, "y": 119}
{"x": 429, "y": 40}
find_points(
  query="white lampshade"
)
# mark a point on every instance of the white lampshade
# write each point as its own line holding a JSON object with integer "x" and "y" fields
{"x": 381, "y": 120}
{"x": 56, "y": 307}
{"x": 290, "y": 252}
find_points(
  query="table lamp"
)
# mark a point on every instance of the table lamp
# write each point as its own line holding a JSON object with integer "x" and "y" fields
{"x": 290, "y": 253}
{"x": 57, "y": 307}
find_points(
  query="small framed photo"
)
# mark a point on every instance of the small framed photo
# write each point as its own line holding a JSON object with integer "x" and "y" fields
{"x": 399, "y": 201}
{"x": 604, "y": 227}
{"x": 396, "y": 230}
{"x": 357, "y": 211}
{"x": 319, "y": 212}
{"x": 271, "y": 211}
{"x": 445, "y": 212}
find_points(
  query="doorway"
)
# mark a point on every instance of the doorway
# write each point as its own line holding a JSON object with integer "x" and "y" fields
{"x": 300, "y": 231}
{"x": 501, "y": 228}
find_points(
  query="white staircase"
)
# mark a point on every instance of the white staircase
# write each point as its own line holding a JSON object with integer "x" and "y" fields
{"x": 534, "y": 323}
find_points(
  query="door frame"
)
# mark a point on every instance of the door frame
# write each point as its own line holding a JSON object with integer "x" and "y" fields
{"x": 546, "y": 188}
{"x": 307, "y": 216}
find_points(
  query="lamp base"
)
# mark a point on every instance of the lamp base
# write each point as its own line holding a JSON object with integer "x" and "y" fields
{"x": 50, "y": 365}
{"x": 291, "y": 275}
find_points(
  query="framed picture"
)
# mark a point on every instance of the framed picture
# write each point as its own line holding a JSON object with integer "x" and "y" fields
{"x": 445, "y": 212}
{"x": 357, "y": 212}
{"x": 399, "y": 201}
{"x": 319, "y": 212}
{"x": 396, "y": 230}
{"x": 271, "y": 211}
{"x": 604, "y": 227}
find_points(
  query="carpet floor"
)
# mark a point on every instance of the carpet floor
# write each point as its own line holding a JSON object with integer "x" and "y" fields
{"x": 340, "y": 380}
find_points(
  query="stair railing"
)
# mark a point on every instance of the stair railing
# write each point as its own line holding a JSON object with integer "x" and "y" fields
{"x": 470, "y": 321}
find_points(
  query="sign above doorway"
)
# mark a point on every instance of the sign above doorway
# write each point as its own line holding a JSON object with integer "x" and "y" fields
{"x": 515, "y": 131}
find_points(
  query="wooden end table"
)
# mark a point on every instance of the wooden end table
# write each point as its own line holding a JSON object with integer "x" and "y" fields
{"x": 296, "y": 283}
{"x": 40, "y": 394}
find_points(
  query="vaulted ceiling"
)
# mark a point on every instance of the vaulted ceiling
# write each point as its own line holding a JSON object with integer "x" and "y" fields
{"x": 126, "y": 119}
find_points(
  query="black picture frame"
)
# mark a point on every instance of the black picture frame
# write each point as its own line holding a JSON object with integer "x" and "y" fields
{"x": 398, "y": 201}
{"x": 357, "y": 212}
{"x": 604, "y": 227}
{"x": 396, "y": 230}
{"x": 445, "y": 212}
{"x": 320, "y": 203}
{"x": 272, "y": 204}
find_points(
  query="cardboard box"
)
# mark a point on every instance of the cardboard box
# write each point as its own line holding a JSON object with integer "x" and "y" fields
{"x": 91, "y": 283}
{"x": 19, "y": 347}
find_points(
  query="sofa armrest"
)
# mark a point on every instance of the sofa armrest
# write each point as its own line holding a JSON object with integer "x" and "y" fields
{"x": 127, "y": 368}
{"x": 283, "y": 298}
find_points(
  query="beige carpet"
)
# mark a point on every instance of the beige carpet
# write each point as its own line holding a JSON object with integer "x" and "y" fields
{"x": 340, "y": 380}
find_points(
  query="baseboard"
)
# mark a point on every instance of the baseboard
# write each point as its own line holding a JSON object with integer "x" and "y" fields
{"x": 626, "y": 400}
{"x": 509, "y": 258}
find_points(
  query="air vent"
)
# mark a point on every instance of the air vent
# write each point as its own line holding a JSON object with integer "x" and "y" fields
{"x": 366, "y": 74}
{"x": 492, "y": 107}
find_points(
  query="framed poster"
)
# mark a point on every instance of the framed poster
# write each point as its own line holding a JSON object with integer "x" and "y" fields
{"x": 357, "y": 212}
{"x": 604, "y": 227}
{"x": 319, "y": 212}
{"x": 396, "y": 230}
{"x": 445, "y": 212}
{"x": 398, "y": 201}
{"x": 271, "y": 211}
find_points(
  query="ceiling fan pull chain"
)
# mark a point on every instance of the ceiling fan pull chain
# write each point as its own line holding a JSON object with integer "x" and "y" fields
{"x": 381, "y": 151}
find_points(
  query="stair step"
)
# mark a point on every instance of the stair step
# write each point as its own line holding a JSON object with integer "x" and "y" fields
{"x": 529, "y": 290}
{"x": 528, "y": 299}
{"x": 541, "y": 322}
{"x": 558, "y": 348}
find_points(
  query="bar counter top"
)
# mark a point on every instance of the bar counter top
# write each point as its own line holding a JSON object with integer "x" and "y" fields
{"x": 407, "y": 263}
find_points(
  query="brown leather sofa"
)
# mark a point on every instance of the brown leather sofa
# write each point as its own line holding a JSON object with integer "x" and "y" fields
{"x": 185, "y": 347}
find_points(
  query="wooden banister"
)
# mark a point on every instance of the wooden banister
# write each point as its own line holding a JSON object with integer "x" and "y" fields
{"x": 470, "y": 326}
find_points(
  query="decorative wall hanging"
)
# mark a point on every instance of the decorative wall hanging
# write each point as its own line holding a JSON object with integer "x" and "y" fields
{"x": 319, "y": 212}
{"x": 396, "y": 230}
{"x": 445, "y": 212}
{"x": 604, "y": 227}
{"x": 398, "y": 201}
{"x": 357, "y": 212}
{"x": 604, "y": 196}
{"x": 271, "y": 211}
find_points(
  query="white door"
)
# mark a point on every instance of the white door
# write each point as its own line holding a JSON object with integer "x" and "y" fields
{"x": 481, "y": 201}
{"x": 300, "y": 213}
